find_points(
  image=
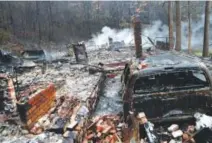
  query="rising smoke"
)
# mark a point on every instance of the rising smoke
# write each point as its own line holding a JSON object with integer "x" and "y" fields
{"x": 101, "y": 38}
{"x": 157, "y": 31}
{"x": 197, "y": 33}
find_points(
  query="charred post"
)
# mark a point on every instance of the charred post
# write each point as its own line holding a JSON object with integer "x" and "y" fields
{"x": 137, "y": 35}
{"x": 206, "y": 29}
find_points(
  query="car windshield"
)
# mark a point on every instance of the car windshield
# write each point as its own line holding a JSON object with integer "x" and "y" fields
{"x": 171, "y": 81}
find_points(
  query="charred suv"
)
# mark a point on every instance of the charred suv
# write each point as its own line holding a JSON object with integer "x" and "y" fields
{"x": 166, "y": 84}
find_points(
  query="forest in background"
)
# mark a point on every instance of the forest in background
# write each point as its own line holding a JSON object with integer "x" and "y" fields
{"x": 67, "y": 21}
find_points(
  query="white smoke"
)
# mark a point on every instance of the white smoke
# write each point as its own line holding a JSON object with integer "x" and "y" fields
{"x": 101, "y": 38}
{"x": 197, "y": 28}
{"x": 118, "y": 35}
{"x": 157, "y": 31}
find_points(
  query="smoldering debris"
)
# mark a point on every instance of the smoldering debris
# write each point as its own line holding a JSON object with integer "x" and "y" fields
{"x": 76, "y": 96}
{"x": 180, "y": 132}
{"x": 104, "y": 129}
{"x": 157, "y": 31}
{"x": 77, "y": 93}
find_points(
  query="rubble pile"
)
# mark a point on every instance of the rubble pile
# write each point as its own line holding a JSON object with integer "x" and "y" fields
{"x": 39, "y": 103}
{"x": 75, "y": 79}
{"x": 30, "y": 138}
{"x": 56, "y": 119}
{"x": 12, "y": 131}
{"x": 178, "y": 132}
{"x": 105, "y": 56}
{"x": 8, "y": 129}
{"x": 68, "y": 120}
{"x": 74, "y": 85}
{"x": 104, "y": 129}
{"x": 63, "y": 123}
{"x": 7, "y": 99}
{"x": 6, "y": 105}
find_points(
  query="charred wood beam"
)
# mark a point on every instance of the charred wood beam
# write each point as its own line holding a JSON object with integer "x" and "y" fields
{"x": 151, "y": 41}
{"x": 172, "y": 119}
{"x": 206, "y": 30}
{"x": 137, "y": 35}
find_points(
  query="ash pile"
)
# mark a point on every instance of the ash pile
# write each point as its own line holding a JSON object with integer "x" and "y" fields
{"x": 73, "y": 86}
{"x": 53, "y": 100}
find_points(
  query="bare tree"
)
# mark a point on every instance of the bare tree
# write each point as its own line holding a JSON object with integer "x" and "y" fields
{"x": 38, "y": 21}
{"x": 170, "y": 19}
{"x": 53, "y": 21}
{"x": 189, "y": 28}
{"x": 10, "y": 16}
{"x": 178, "y": 26}
{"x": 50, "y": 21}
{"x": 87, "y": 17}
{"x": 206, "y": 30}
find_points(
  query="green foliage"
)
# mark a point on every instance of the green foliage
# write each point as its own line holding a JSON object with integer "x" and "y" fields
{"x": 198, "y": 52}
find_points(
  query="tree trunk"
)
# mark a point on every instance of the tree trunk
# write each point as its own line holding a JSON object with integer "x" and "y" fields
{"x": 38, "y": 22}
{"x": 189, "y": 29}
{"x": 178, "y": 26}
{"x": 50, "y": 21}
{"x": 11, "y": 17}
{"x": 89, "y": 18}
{"x": 206, "y": 29}
{"x": 98, "y": 10}
{"x": 170, "y": 19}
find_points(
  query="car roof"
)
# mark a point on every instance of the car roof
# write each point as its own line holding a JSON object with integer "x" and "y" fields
{"x": 165, "y": 60}
{"x": 171, "y": 59}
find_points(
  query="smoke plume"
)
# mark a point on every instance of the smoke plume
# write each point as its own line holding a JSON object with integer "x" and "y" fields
{"x": 157, "y": 31}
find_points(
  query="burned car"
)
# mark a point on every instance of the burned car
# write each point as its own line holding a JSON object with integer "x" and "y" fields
{"x": 166, "y": 87}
